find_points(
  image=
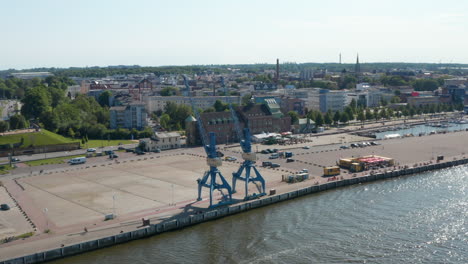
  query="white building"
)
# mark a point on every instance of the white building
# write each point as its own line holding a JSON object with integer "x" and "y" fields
{"x": 155, "y": 103}
{"x": 323, "y": 99}
{"x": 162, "y": 141}
{"x": 362, "y": 87}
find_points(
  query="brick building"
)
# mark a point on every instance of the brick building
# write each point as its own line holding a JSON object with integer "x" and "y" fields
{"x": 259, "y": 117}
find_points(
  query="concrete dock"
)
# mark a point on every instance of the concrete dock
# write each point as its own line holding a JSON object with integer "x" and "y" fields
{"x": 162, "y": 188}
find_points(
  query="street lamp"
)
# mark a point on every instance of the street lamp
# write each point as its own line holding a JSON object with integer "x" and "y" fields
{"x": 172, "y": 194}
{"x": 47, "y": 219}
{"x": 113, "y": 204}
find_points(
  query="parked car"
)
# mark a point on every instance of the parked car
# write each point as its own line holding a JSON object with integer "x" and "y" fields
{"x": 266, "y": 164}
{"x": 230, "y": 158}
{"x": 4, "y": 207}
{"x": 264, "y": 151}
{"x": 373, "y": 143}
{"x": 306, "y": 147}
{"x": 274, "y": 150}
{"x": 13, "y": 159}
{"x": 114, "y": 156}
{"x": 269, "y": 150}
{"x": 289, "y": 160}
{"x": 354, "y": 145}
{"x": 344, "y": 147}
{"x": 91, "y": 150}
{"x": 275, "y": 165}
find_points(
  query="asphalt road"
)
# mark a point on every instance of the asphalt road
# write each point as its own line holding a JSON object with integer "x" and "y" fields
{"x": 49, "y": 155}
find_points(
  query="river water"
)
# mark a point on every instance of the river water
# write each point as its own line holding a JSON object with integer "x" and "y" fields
{"x": 414, "y": 219}
{"x": 425, "y": 129}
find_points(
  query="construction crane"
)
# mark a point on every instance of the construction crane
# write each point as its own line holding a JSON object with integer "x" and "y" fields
{"x": 248, "y": 165}
{"x": 210, "y": 177}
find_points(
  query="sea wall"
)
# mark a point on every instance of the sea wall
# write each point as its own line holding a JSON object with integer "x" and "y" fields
{"x": 216, "y": 213}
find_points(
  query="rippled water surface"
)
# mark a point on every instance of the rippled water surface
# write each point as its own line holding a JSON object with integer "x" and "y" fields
{"x": 416, "y": 219}
{"x": 416, "y": 130}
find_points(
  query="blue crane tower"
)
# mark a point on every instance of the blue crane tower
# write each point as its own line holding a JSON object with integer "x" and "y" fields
{"x": 249, "y": 157}
{"x": 209, "y": 179}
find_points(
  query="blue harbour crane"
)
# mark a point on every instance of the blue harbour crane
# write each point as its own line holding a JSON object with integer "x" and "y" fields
{"x": 210, "y": 177}
{"x": 249, "y": 157}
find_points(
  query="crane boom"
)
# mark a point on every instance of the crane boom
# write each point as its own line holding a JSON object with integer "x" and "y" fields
{"x": 249, "y": 157}
{"x": 210, "y": 177}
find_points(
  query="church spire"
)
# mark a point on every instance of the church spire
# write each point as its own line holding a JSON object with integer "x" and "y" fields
{"x": 357, "y": 67}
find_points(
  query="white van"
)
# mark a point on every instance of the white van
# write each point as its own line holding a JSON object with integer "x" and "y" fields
{"x": 79, "y": 160}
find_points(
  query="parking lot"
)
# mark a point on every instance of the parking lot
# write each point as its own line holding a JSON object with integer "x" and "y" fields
{"x": 150, "y": 182}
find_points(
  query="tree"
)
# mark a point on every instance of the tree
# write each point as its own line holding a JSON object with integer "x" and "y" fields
{"x": 348, "y": 82}
{"x": 169, "y": 91}
{"x": 164, "y": 121}
{"x": 390, "y": 113}
{"x": 361, "y": 116}
{"x": 344, "y": 118}
{"x": 393, "y": 80}
{"x": 294, "y": 117}
{"x": 383, "y": 113}
{"x": 209, "y": 110}
{"x": 35, "y": 102}
{"x": 104, "y": 98}
{"x": 353, "y": 104}
{"x": 328, "y": 119}
{"x": 318, "y": 119}
{"x": 71, "y": 133}
{"x": 369, "y": 114}
{"x": 425, "y": 84}
{"x": 395, "y": 100}
{"x": 383, "y": 102}
{"x": 337, "y": 117}
{"x": 220, "y": 106}
{"x": 4, "y": 126}
{"x": 246, "y": 99}
{"x": 18, "y": 122}
{"x": 349, "y": 111}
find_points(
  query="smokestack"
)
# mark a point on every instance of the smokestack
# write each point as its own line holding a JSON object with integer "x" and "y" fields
{"x": 340, "y": 58}
{"x": 277, "y": 71}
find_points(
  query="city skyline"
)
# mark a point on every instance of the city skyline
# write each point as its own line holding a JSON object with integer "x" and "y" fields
{"x": 154, "y": 33}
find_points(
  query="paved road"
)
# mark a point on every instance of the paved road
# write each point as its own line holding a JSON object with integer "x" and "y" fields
{"x": 61, "y": 154}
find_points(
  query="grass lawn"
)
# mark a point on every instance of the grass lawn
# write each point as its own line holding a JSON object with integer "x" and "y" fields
{"x": 58, "y": 160}
{"x": 45, "y": 137}
{"x": 95, "y": 143}
{"x": 40, "y": 138}
{"x": 4, "y": 169}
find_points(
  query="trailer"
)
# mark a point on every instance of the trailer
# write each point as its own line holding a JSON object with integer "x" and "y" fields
{"x": 331, "y": 171}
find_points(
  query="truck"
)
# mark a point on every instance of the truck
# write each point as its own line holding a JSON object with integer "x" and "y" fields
{"x": 78, "y": 160}
{"x": 288, "y": 154}
{"x": 331, "y": 171}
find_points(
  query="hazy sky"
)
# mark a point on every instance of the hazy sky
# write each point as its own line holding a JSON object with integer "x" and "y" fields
{"x": 64, "y": 33}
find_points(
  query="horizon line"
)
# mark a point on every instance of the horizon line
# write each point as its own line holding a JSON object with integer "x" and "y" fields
{"x": 227, "y": 64}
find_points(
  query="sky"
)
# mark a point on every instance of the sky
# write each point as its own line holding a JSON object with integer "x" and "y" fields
{"x": 80, "y": 33}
